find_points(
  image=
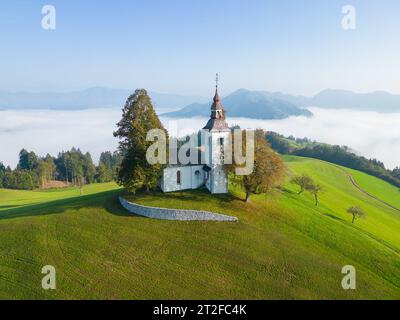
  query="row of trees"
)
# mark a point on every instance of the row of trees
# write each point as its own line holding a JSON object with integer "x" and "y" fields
{"x": 72, "y": 167}
{"x": 306, "y": 183}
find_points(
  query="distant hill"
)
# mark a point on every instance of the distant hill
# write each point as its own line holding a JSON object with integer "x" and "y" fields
{"x": 96, "y": 97}
{"x": 248, "y": 104}
{"x": 378, "y": 101}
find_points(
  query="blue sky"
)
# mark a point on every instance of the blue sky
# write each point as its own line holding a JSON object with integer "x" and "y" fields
{"x": 177, "y": 46}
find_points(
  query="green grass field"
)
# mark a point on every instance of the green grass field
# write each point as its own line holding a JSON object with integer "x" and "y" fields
{"x": 282, "y": 247}
{"x": 377, "y": 187}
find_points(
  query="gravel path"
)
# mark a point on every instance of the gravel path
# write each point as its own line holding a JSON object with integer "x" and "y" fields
{"x": 354, "y": 183}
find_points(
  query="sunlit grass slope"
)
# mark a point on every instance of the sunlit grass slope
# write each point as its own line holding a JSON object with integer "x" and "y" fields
{"x": 17, "y": 198}
{"x": 377, "y": 187}
{"x": 282, "y": 247}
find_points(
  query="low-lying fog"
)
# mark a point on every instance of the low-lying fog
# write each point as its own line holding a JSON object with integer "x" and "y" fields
{"x": 370, "y": 134}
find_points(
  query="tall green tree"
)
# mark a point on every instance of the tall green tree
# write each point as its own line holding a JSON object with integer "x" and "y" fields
{"x": 89, "y": 169}
{"x": 105, "y": 170}
{"x": 2, "y": 173}
{"x": 138, "y": 117}
{"x": 27, "y": 160}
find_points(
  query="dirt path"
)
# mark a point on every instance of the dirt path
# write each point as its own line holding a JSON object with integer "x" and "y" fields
{"x": 351, "y": 178}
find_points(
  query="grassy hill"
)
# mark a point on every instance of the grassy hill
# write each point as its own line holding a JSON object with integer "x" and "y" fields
{"x": 377, "y": 187}
{"x": 282, "y": 246}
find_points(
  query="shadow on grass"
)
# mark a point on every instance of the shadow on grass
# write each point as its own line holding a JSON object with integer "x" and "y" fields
{"x": 363, "y": 231}
{"x": 287, "y": 190}
{"x": 107, "y": 200}
{"x": 333, "y": 217}
{"x": 8, "y": 207}
{"x": 187, "y": 195}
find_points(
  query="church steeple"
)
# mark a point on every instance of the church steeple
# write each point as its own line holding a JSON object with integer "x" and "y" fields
{"x": 217, "y": 117}
{"x": 216, "y": 96}
{"x": 217, "y": 101}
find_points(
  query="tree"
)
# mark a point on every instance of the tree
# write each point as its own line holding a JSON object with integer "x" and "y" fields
{"x": 42, "y": 173}
{"x": 89, "y": 169}
{"x": 268, "y": 172}
{"x": 50, "y": 167}
{"x": 314, "y": 189}
{"x": 71, "y": 166}
{"x": 102, "y": 173}
{"x": 116, "y": 163}
{"x": 138, "y": 117}
{"x": 18, "y": 179}
{"x": 396, "y": 172}
{"x": 356, "y": 212}
{"x": 27, "y": 160}
{"x": 302, "y": 181}
{"x": 106, "y": 168}
{"x": 45, "y": 170}
{"x": 2, "y": 173}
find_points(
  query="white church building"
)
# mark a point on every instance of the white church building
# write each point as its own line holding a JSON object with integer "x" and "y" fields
{"x": 210, "y": 173}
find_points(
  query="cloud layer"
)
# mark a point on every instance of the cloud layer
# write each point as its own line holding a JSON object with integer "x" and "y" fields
{"x": 370, "y": 134}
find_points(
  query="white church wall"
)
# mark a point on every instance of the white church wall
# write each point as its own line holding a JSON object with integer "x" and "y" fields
{"x": 189, "y": 179}
{"x": 197, "y": 176}
{"x": 216, "y": 146}
{"x": 219, "y": 178}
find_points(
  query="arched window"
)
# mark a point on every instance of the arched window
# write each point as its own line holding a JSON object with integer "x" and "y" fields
{"x": 178, "y": 177}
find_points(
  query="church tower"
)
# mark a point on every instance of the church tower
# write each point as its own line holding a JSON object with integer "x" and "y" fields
{"x": 215, "y": 136}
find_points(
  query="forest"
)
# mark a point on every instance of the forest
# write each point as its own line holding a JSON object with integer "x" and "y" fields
{"x": 69, "y": 168}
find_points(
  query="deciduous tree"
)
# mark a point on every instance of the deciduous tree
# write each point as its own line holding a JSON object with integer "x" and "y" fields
{"x": 302, "y": 181}
{"x": 356, "y": 212}
{"x": 314, "y": 189}
{"x": 269, "y": 170}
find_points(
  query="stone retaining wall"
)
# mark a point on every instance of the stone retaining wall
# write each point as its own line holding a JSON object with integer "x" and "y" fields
{"x": 174, "y": 214}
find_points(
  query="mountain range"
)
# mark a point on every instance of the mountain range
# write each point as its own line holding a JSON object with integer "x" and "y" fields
{"x": 96, "y": 97}
{"x": 247, "y": 104}
{"x": 241, "y": 103}
{"x": 277, "y": 105}
{"x": 378, "y": 101}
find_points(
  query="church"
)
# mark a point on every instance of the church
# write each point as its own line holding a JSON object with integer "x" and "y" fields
{"x": 210, "y": 172}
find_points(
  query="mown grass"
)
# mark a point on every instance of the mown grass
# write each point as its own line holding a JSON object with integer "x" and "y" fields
{"x": 282, "y": 247}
